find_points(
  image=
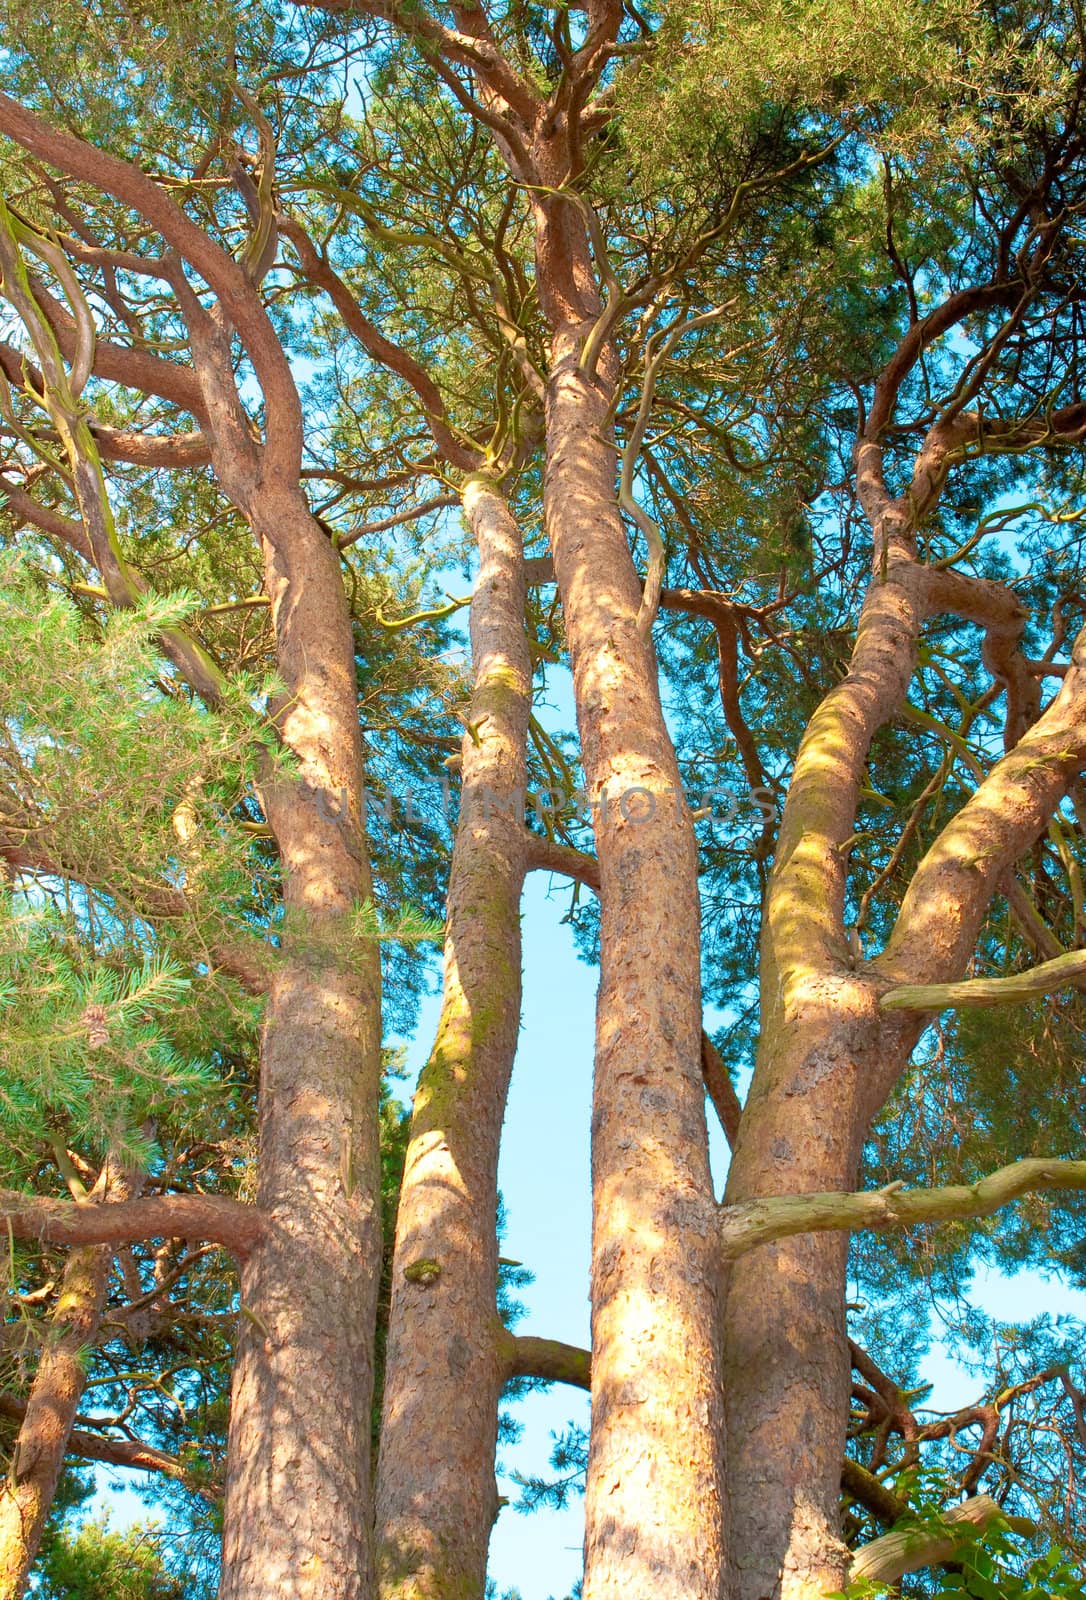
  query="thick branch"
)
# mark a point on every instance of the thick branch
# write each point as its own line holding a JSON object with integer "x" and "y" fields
{"x": 28, "y": 510}
{"x": 220, "y": 272}
{"x": 754, "y": 1222}
{"x": 114, "y": 363}
{"x": 151, "y": 449}
{"x": 470, "y": 49}
{"x": 721, "y": 1090}
{"x": 887, "y": 1559}
{"x": 132, "y": 1453}
{"x": 1065, "y": 972}
{"x": 215, "y": 1218}
{"x": 969, "y": 860}
{"x": 547, "y": 855}
{"x": 871, "y": 1492}
{"x": 527, "y": 1357}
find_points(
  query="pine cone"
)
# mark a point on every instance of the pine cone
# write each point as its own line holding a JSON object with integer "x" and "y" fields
{"x": 94, "y": 1020}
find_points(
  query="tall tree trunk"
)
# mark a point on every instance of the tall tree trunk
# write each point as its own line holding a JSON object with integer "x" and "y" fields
{"x": 786, "y": 1372}
{"x": 803, "y": 1126}
{"x": 436, "y": 1498}
{"x": 298, "y": 1520}
{"x": 653, "y": 1503}
{"x": 828, "y": 1058}
{"x": 42, "y": 1440}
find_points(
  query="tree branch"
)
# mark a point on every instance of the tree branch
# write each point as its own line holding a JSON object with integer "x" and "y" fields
{"x": 527, "y": 1357}
{"x": 1065, "y": 972}
{"x": 969, "y": 860}
{"x": 214, "y": 1218}
{"x": 755, "y": 1222}
{"x": 320, "y": 272}
{"x": 222, "y": 274}
{"x": 132, "y": 1453}
{"x": 720, "y": 1089}
{"x": 547, "y": 855}
{"x": 871, "y": 1492}
{"x": 472, "y": 50}
{"x": 905, "y": 1550}
{"x": 28, "y": 510}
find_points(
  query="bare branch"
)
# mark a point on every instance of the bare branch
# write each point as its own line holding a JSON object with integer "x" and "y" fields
{"x": 131, "y": 1453}
{"x": 214, "y": 1218}
{"x": 320, "y": 272}
{"x": 887, "y": 1559}
{"x": 754, "y": 1222}
{"x": 547, "y": 855}
{"x": 1064, "y": 972}
{"x": 527, "y": 1357}
{"x": 222, "y": 274}
{"x": 721, "y": 1090}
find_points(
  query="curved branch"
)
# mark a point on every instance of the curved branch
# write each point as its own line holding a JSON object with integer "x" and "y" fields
{"x": 323, "y": 275}
{"x": 871, "y": 1492}
{"x": 722, "y": 614}
{"x": 547, "y": 855}
{"x": 905, "y": 1550}
{"x": 113, "y": 363}
{"x": 28, "y": 510}
{"x": 970, "y": 858}
{"x": 528, "y": 1357}
{"x": 222, "y": 274}
{"x": 131, "y": 1453}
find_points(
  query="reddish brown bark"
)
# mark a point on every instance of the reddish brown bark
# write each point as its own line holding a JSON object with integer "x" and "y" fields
{"x": 43, "y": 1437}
{"x": 178, "y": 1216}
{"x": 446, "y": 1362}
{"x": 786, "y": 1365}
{"x": 827, "y": 1058}
{"x": 298, "y": 1507}
{"x": 653, "y": 1501}
{"x": 298, "y": 1519}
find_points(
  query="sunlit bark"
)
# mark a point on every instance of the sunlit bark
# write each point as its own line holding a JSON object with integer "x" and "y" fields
{"x": 446, "y": 1364}
{"x": 653, "y": 1494}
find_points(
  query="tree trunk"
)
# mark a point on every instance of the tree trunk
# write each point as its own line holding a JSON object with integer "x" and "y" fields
{"x": 298, "y": 1516}
{"x": 42, "y": 1440}
{"x": 653, "y": 1502}
{"x": 828, "y": 1058}
{"x": 786, "y": 1373}
{"x": 786, "y": 1358}
{"x": 436, "y": 1498}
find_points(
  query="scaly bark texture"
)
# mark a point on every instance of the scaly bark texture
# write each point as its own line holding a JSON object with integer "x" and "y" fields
{"x": 786, "y": 1362}
{"x": 297, "y": 1522}
{"x": 447, "y": 1358}
{"x": 298, "y": 1516}
{"x": 828, "y": 1057}
{"x": 653, "y": 1503}
{"x": 46, "y": 1427}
